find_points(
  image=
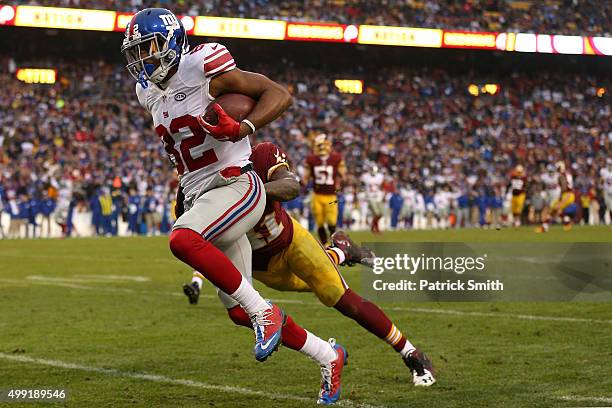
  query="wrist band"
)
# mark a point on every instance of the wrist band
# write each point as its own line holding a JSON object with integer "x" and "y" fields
{"x": 250, "y": 124}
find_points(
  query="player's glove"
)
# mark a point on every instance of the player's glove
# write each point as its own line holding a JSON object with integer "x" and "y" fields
{"x": 226, "y": 129}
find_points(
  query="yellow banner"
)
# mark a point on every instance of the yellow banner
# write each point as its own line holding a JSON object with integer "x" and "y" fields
{"x": 74, "y": 19}
{"x": 123, "y": 20}
{"x": 404, "y": 36}
{"x": 353, "y": 86}
{"x": 36, "y": 75}
{"x": 240, "y": 28}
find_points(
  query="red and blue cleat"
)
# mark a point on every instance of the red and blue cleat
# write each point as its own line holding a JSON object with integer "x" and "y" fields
{"x": 331, "y": 376}
{"x": 267, "y": 325}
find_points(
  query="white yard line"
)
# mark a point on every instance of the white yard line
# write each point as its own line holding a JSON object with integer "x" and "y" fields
{"x": 576, "y": 398}
{"x": 508, "y": 315}
{"x": 149, "y": 377}
{"x": 132, "y": 278}
{"x": 449, "y": 312}
{"x": 23, "y": 282}
{"x": 169, "y": 380}
{"x": 88, "y": 278}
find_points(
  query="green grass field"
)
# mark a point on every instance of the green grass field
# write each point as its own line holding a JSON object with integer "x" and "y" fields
{"x": 106, "y": 320}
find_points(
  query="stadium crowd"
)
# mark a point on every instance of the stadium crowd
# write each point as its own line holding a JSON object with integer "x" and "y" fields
{"x": 573, "y": 17}
{"x": 84, "y": 147}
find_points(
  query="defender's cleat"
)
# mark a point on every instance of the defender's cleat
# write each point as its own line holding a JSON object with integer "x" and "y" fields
{"x": 421, "y": 368}
{"x": 353, "y": 252}
{"x": 192, "y": 291}
{"x": 331, "y": 376}
{"x": 267, "y": 325}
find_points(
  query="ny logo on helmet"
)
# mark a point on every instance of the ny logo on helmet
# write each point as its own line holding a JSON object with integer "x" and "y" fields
{"x": 170, "y": 21}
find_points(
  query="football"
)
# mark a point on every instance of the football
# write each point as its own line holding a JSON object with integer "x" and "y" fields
{"x": 238, "y": 106}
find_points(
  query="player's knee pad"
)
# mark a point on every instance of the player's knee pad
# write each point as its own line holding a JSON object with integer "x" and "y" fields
{"x": 239, "y": 316}
{"x": 184, "y": 241}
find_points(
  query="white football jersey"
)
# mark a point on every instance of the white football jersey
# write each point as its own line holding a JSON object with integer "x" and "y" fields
{"x": 442, "y": 200}
{"x": 196, "y": 154}
{"x": 606, "y": 175}
{"x": 64, "y": 196}
{"x": 409, "y": 196}
{"x": 373, "y": 184}
{"x": 551, "y": 181}
{"x": 569, "y": 178}
{"x": 419, "y": 202}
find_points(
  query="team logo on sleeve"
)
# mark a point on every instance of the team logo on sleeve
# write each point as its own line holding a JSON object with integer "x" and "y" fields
{"x": 180, "y": 96}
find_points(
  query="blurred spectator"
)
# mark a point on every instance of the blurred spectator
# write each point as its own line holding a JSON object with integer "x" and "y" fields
{"x": 95, "y": 205}
{"x": 47, "y": 207}
{"x": 33, "y": 209}
{"x": 19, "y": 215}
{"x": 151, "y": 216}
{"x": 395, "y": 204}
{"x": 134, "y": 212}
{"x": 106, "y": 211}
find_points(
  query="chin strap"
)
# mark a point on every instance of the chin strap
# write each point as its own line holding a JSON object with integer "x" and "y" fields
{"x": 142, "y": 80}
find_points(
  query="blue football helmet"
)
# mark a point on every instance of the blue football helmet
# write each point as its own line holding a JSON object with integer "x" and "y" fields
{"x": 154, "y": 42}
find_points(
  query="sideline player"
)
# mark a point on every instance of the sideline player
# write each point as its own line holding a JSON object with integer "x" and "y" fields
{"x": 373, "y": 181}
{"x": 606, "y": 177}
{"x": 565, "y": 205}
{"x": 552, "y": 191}
{"x": 224, "y": 196}
{"x": 327, "y": 170}
{"x": 518, "y": 186}
{"x": 287, "y": 257}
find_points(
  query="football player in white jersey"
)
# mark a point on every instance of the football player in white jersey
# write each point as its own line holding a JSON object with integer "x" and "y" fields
{"x": 407, "y": 211}
{"x": 606, "y": 178}
{"x": 552, "y": 189}
{"x": 419, "y": 221}
{"x": 224, "y": 198}
{"x": 551, "y": 184}
{"x": 375, "y": 195}
{"x": 443, "y": 200}
{"x": 564, "y": 205}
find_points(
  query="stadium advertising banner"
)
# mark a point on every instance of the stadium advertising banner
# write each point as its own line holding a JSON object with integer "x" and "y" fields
{"x": 466, "y": 39}
{"x": 36, "y": 75}
{"x": 102, "y": 20}
{"x": 240, "y": 28}
{"x": 7, "y": 15}
{"x": 599, "y": 45}
{"x": 322, "y": 32}
{"x": 402, "y": 36}
{"x": 66, "y": 18}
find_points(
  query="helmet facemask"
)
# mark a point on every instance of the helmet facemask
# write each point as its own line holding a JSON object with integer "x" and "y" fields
{"x": 149, "y": 57}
